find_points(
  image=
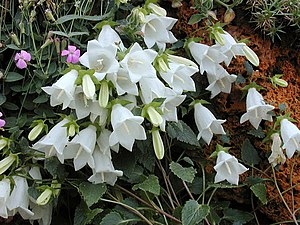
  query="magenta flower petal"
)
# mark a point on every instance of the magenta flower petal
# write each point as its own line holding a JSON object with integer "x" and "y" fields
{"x": 77, "y": 52}
{"x": 17, "y": 57}
{"x": 26, "y": 56}
{"x": 21, "y": 64}
{"x": 65, "y": 52}
{"x": 75, "y": 59}
{"x": 70, "y": 58}
{"x": 2, "y": 123}
{"x": 72, "y": 48}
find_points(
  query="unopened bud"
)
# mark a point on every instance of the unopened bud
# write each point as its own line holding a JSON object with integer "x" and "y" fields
{"x": 158, "y": 144}
{"x": 3, "y": 142}
{"x": 250, "y": 55}
{"x": 103, "y": 94}
{"x": 36, "y": 130}
{"x": 22, "y": 27}
{"x": 229, "y": 15}
{"x": 15, "y": 39}
{"x": 44, "y": 198}
{"x": 157, "y": 9}
{"x": 48, "y": 42}
{"x": 49, "y": 15}
{"x": 88, "y": 86}
{"x": 64, "y": 44}
{"x": 219, "y": 38}
{"x": 57, "y": 45}
{"x": 154, "y": 116}
{"x": 7, "y": 162}
{"x": 276, "y": 80}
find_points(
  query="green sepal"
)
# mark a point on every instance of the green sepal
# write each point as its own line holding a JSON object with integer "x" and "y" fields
{"x": 71, "y": 67}
{"x": 219, "y": 148}
{"x": 201, "y": 101}
{"x": 101, "y": 24}
{"x": 89, "y": 72}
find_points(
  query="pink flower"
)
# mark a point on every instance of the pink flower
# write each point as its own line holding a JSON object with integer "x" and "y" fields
{"x": 2, "y": 122}
{"x": 73, "y": 54}
{"x": 22, "y": 58}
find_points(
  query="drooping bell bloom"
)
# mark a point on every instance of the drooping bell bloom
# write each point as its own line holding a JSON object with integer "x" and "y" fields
{"x": 104, "y": 171}
{"x": 277, "y": 156}
{"x": 4, "y": 194}
{"x": 157, "y": 30}
{"x": 53, "y": 143}
{"x": 63, "y": 90}
{"x": 257, "y": 109}
{"x": 138, "y": 63}
{"x": 126, "y": 127}
{"x": 228, "y": 168}
{"x": 207, "y": 123}
{"x": 73, "y": 54}
{"x": 81, "y": 148}
{"x": 108, "y": 36}
{"x": 22, "y": 58}
{"x": 291, "y": 137}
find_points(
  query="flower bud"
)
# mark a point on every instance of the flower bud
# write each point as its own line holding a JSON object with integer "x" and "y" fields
{"x": 162, "y": 65}
{"x": 103, "y": 94}
{"x": 229, "y": 15}
{"x": 158, "y": 144}
{"x": 3, "y": 142}
{"x": 157, "y": 9}
{"x": 7, "y": 162}
{"x": 64, "y": 44}
{"x": 56, "y": 188}
{"x": 15, "y": 39}
{"x": 49, "y": 15}
{"x": 154, "y": 116}
{"x": 57, "y": 45}
{"x": 219, "y": 38}
{"x": 22, "y": 27}
{"x": 71, "y": 130}
{"x": 276, "y": 80}
{"x": 44, "y": 198}
{"x": 48, "y": 42}
{"x": 88, "y": 86}
{"x": 36, "y": 130}
{"x": 250, "y": 55}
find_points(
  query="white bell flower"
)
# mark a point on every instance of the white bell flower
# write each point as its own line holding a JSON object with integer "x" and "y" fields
{"x": 169, "y": 107}
{"x": 277, "y": 156}
{"x": 156, "y": 29}
{"x": 151, "y": 88}
{"x": 138, "y": 63}
{"x": 63, "y": 90}
{"x": 104, "y": 171}
{"x": 42, "y": 213}
{"x": 103, "y": 142}
{"x": 108, "y": 36}
{"x": 81, "y": 148}
{"x": 53, "y": 143}
{"x": 220, "y": 82}
{"x": 101, "y": 59}
{"x": 207, "y": 123}
{"x": 291, "y": 137}
{"x": 4, "y": 194}
{"x": 18, "y": 201}
{"x": 126, "y": 127}
{"x": 207, "y": 57}
{"x": 228, "y": 168}
{"x": 130, "y": 98}
{"x": 179, "y": 78}
{"x": 122, "y": 82}
{"x": 257, "y": 109}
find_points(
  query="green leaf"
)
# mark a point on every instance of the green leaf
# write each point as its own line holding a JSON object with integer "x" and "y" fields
{"x": 69, "y": 17}
{"x": 193, "y": 213}
{"x": 237, "y": 216}
{"x": 259, "y": 133}
{"x": 91, "y": 193}
{"x": 112, "y": 218}
{"x": 184, "y": 173}
{"x": 182, "y": 132}
{"x": 55, "y": 168}
{"x": 195, "y": 18}
{"x": 249, "y": 153}
{"x": 151, "y": 184}
{"x": 84, "y": 215}
{"x": 13, "y": 76}
{"x": 10, "y": 106}
{"x": 220, "y": 185}
{"x": 260, "y": 191}
{"x": 2, "y": 98}
{"x": 41, "y": 99}
{"x": 60, "y": 33}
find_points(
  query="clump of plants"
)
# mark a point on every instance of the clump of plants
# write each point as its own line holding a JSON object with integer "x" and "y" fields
{"x": 102, "y": 120}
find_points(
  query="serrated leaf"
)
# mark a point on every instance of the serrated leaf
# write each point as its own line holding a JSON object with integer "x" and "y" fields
{"x": 84, "y": 215}
{"x": 151, "y": 184}
{"x": 195, "y": 18}
{"x": 249, "y": 153}
{"x": 13, "y": 76}
{"x": 260, "y": 191}
{"x": 259, "y": 133}
{"x": 55, "y": 168}
{"x": 112, "y": 218}
{"x": 193, "y": 213}
{"x": 182, "y": 132}
{"x": 237, "y": 216}
{"x": 184, "y": 173}
{"x": 91, "y": 193}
